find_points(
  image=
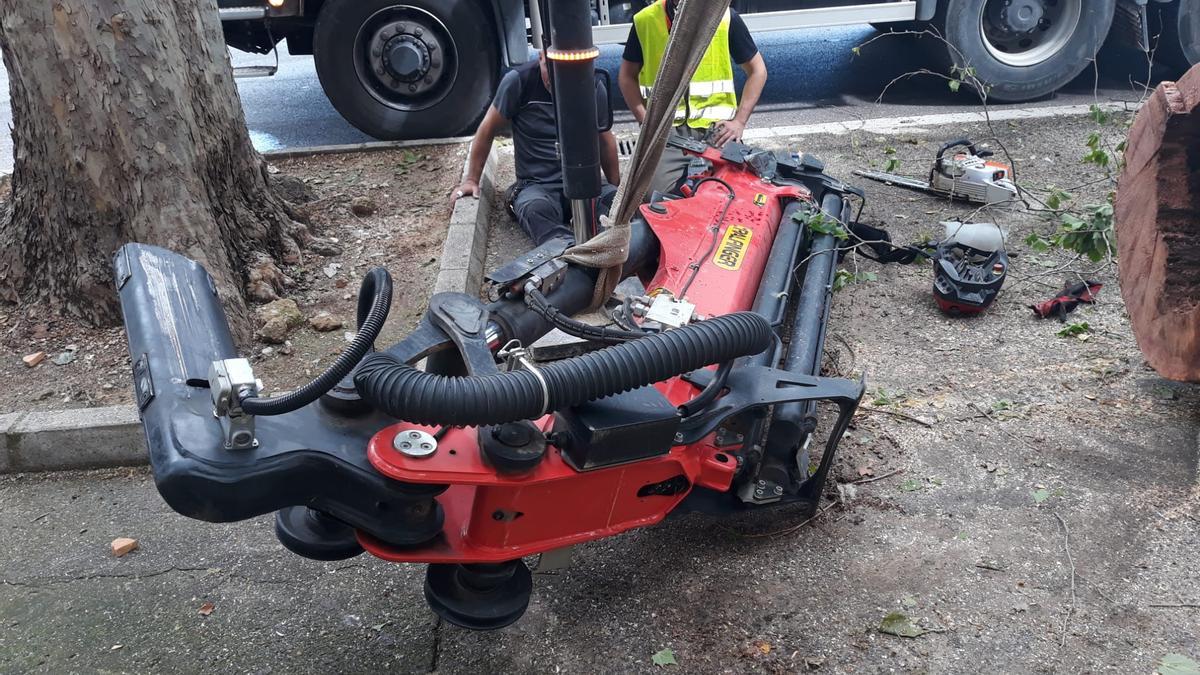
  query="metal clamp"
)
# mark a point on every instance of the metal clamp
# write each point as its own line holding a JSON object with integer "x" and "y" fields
{"x": 230, "y": 381}
{"x": 516, "y": 357}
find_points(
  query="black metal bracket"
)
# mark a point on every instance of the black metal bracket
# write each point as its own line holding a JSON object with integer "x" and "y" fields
{"x": 757, "y": 387}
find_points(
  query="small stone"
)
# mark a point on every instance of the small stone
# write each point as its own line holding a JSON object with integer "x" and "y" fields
{"x": 363, "y": 206}
{"x": 206, "y": 609}
{"x": 268, "y": 351}
{"x": 277, "y": 319}
{"x": 123, "y": 545}
{"x": 33, "y": 359}
{"x": 44, "y": 394}
{"x": 63, "y": 358}
{"x": 286, "y": 349}
{"x": 324, "y": 322}
{"x": 264, "y": 280}
{"x": 325, "y": 247}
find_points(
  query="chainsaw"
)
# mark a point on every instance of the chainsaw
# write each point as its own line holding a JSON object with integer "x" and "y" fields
{"x": 967, "y": 174}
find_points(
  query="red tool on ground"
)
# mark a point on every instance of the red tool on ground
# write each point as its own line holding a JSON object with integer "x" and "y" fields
{"x": 487, "y": 455}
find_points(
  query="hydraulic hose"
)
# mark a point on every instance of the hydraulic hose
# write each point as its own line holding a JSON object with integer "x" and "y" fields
{"x": 609, "y": 336}
{"x": 374, "y": 302}
{"x": 406, "y": 393}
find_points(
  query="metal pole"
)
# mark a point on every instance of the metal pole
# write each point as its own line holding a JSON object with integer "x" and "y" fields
{"x": 572, "y": 58}
{"x": 535, "y": 24}
{"x": 581, "y": 219}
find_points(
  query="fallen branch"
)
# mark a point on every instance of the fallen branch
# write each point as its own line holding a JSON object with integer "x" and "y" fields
{"x": 1177, "y": 605}
{"x": 864, "y": 481}
{"x": 1070, "y": 559}
{"x": 789, "y": 530}
{"x": 893, "y": 413}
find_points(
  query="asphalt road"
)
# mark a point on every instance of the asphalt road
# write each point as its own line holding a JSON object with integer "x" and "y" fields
{"x": 815, "y": 77}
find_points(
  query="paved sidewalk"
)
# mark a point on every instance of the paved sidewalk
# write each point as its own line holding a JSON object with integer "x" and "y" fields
{"x": 67, "y": 605}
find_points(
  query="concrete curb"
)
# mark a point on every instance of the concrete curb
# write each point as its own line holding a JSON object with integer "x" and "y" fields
{"x": 372, "y": 146}
{"x": 64, "y": 440}
{"x": 463, "y": 254}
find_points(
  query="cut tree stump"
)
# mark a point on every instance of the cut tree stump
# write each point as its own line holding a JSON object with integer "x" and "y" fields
{"x": 1158, "y": 228}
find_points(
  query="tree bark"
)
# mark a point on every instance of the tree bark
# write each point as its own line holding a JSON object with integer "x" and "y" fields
{"x": 1157, "y": 217}
{"x": 128, "y": 127}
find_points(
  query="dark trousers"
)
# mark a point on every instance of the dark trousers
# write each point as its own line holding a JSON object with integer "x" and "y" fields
{"x": 544, "y": 212}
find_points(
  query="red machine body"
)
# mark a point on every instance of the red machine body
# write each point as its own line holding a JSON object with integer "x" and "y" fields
{"x": 722, "y": 238}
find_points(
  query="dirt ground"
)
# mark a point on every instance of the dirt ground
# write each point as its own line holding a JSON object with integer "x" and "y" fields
{"x": 403, "y": 231}
{"x": 1030, "y": 500}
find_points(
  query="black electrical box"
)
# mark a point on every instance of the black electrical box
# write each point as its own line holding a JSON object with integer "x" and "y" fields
{"x": 624, "y": 428}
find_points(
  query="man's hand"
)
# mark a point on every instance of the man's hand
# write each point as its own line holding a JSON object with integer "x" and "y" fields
{"x": 469, "y": 188}
{"x": 730, "y": 130}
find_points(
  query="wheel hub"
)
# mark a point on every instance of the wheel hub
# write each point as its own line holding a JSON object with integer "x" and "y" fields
{"x": 1024, "y": 33}
{"x": 1021, "y": 16}
{"x": 406, "y": 58}
{"x": 405, "y": 54}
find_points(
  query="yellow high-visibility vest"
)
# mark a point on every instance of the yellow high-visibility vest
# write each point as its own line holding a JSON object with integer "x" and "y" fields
{"x": 711, "y": 97}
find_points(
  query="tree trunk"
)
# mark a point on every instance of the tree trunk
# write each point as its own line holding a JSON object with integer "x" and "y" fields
{"x": 1158, "y": 228}
{"x": 127, "y": 127}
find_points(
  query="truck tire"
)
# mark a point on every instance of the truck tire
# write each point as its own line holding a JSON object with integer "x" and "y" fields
{"x": 1023, "y": 49}
{"x": 1177, "y": 30}
{"x": 402, "y": 69}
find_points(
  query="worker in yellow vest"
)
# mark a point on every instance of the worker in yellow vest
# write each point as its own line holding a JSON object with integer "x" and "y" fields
{"x": 711, "y": 102}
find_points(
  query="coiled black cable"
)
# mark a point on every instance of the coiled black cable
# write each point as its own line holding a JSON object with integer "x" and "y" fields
{"x": 374, "y": 302}
{"x": 586, "y": 331}
{"x": 399, "y": 390}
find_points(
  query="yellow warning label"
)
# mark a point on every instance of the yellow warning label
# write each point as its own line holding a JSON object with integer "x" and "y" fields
{"x": 760, "y": 199}
{"x": 733, "y": 248}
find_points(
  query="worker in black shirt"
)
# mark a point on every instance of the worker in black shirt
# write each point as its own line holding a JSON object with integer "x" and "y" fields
{"x": 525, "y": 101}
{"x": 711, "y": 102}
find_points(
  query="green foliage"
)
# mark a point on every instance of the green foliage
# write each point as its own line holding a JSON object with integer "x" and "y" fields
{"x": 1088, "y": 231}
{"x": 1058, "y": 199}
{"x": 1097, "y": 154}
{"x": 844, "y": 278}
{"x": 884, "y": 397}
{"x": 663, "y": 658}
{"x": 819, "y": 222}
{"x": 1090, "y": 234}
{"x": 1100, "y": 115}
{"x": 893, "y": 162}
{"x": 1077, "y": 329}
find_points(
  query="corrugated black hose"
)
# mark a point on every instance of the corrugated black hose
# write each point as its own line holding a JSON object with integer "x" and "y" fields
{"x": 374, "y": 302}
{"x": 406, "y": 393}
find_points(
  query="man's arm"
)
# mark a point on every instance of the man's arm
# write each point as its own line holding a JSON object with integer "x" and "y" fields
{"x": 756, "y": 79}
{"x": 481, "y": 145}
{"x": 608, "y": 158}
{"x": 631, "y": 91}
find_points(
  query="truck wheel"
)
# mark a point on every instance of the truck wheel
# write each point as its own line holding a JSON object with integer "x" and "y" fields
{"x": 1177, "y": 27}
{"x": 1024, "y": 49}
{"x": 399, "y": 69}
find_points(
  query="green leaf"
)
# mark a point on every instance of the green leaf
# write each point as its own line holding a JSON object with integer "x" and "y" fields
{"x": 898, "y": 624}
{"x": 664, "y": 658}
{"x": 1040, "y": 496}
{"x": 1177, "y": 664}
{"x": 1037, "y": 242}
{"x": 821, "y": 223}
{"x": 842, "y": 279}
{"x": 1077, "y": 329}
{"x": 911, "y": 485}
{"x": 1100, "y": 115}
{"x": 857, "y": 51}
{"x": 955, "y": 85}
